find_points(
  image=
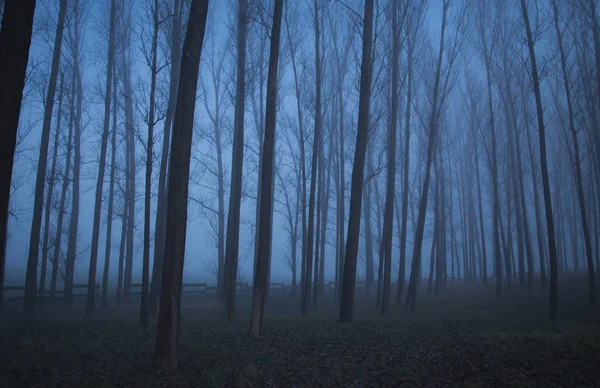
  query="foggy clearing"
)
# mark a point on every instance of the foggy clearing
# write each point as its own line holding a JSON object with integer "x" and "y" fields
{"x": 299, "y": 193}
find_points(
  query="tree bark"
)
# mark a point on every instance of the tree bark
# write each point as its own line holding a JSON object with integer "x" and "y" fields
{"x": 40, "y": 181}
{"x": 264, "y": 245}
{"x": 233, "y": 217}
{"x": 74, "y": 222}
{"x": 349, "y": 272}
{"x": 91, "y": 293}
{"x": 576, "y": 156}
{"x": 147, "y": 198}
{"x": 544, "y": 164}
{"x": 49, "y": 196}
{"x": 111, "y": 195}
{"x": 168, "y": 330}
{"x": 15, "y": 39}
{"x": 388, "y": 214}
{"x": 160, "y": 229}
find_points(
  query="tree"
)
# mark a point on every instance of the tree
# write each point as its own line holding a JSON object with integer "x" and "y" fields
{"x": 36, "y": 223}
{"x": 15, "y": 39}
{"x": 168, "y": 331}
{"x": 349, "y": 277}
{"x": 49, "y": 196}
{"x": 111, "y": 194}
{"x": 576, "y": 155}
{"x": 235, "y": 195}
{"x": 91, "y": 300}
{"x": 544, "y": 166}
{"x": 440, "y": 92}
{"x": 149, "y": 145}
{"x": 313, "y": 173}
{"x": 261, "y": 267}
{"x": 161, "y": 211}
{"x": 388, "y": 215}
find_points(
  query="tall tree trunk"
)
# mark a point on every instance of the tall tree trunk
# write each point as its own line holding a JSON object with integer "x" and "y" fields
{"x": 405, "y": 187}
{"x": 130, "y": 156}
{"x": 111, "y": 192}
{"x": 124, "y": 221}
{"x": 49, "y": 196}
{"x": 538, "y": 217}
{"x": 306, "y": 295}
{"x": 91, "y": 293}
{"x": 15, "y": 39}
{"x": 160, "y": 229}
{"x": 264, "y": 247}
{"x": 40, "y": 181}
{"x": 431, "y": 143}
{"x": 577, "y": 160}
{"x": 74, "y": 222}
{"x": 149, "y": 145}
{"x": 544, "y": 165}
{"x": 349, "y": 273}
{"x": 63, "y": 197}
{"x": 367, "y": 207}
{"x": 388, "y": 213}
{"x": 233, "y": 217}
{"x": 168, "y": 330}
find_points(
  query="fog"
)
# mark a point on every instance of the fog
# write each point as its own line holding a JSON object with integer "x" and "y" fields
{"x": 368, "y": 153}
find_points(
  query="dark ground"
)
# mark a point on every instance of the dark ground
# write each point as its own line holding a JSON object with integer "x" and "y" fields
{"x": 465, "y": 338}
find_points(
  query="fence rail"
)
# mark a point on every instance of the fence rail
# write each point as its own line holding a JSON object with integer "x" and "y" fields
{"x": 58, "y": 294}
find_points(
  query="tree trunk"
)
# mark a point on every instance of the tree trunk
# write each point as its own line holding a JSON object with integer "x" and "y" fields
{"x": 49, "y": 196}
{"x": 63, "y": 197}
{"x": 388, "y": 213}
{"x": 149, "y": 145}
{"x": 74, "y": 222}
{"x": 431, "y": 143}
{"x": 306, "y": 295}
{"x": 405, "y": 187}
{"x": 544, "y": 164}
{"x": 130, "y": 156}
{"x": 40, "y": 181}
{"x": 15, "y": 39}
{"x": 264, "y": 245}
{"x": 168, "y": 330}
{"x": 160, "y": 229}
{"x": 91, "y": 293}
{"x": 578, "y": 174}
{"x": 349, "y": 272}
{"x": 111, "y": 192}
{"x": 233, "y": 217}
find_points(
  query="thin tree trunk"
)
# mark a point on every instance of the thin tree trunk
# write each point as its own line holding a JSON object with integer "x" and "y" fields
{"x": 578, "y": 173}
{"x": 233, "y": 216}
{"x": 405, "y": 187}
{"x": 63, "y": 197}
{"x": 49, "y": 196}
{"x": 40, "y": 181}
{"x": 160, "y": 229}
{"x": 91, "y": 293}
{"x": 388, "y": 213}
{"x": 111, "y": 192}
{"x": 149, "y": 145}
{"x": 264, "y": 247}
{"x": 349, "y": 273}
{"x": 74, "y": 222}
{"x": 306, "y": 295}
{"x": 545, "y": 181}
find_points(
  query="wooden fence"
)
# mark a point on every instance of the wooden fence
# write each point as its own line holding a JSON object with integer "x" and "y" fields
{"x": 58, "y": 294}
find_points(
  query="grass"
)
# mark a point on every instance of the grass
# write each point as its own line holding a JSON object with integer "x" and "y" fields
{"x": 464, "y": 338}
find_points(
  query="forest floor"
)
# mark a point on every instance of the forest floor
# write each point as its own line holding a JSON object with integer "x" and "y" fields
{"x": 464, "y": 338}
